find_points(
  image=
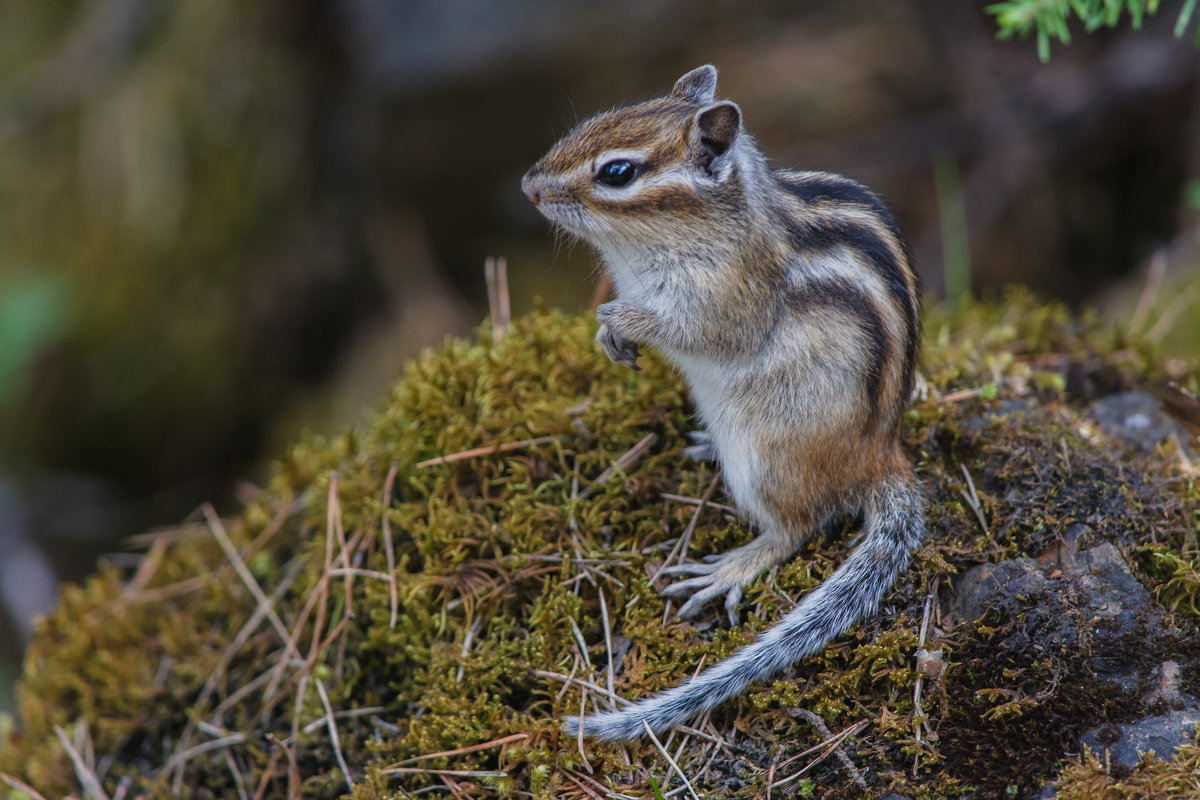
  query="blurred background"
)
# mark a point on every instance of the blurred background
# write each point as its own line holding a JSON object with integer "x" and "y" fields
{"x": 223, "y": 222}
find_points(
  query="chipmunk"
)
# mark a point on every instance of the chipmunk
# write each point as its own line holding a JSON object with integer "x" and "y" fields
{"x": 787, "y": 302}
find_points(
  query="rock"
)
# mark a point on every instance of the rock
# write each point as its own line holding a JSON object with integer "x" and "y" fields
{"x": 1163, "y": 734}
{"x": 1136, "y": 419}
{"x": 1098, "y": 583}
{"x": 986, "y": 584}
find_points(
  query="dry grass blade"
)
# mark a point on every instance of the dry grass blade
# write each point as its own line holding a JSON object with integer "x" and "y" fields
{"x": 1154, "y": 276}
{"x": 608, "y": 647}
{"x": 239, "y": 566}
{"x": 87, "y": 777}
{"x": 495, "y": 273}
{"x": 20, "y": 786}
{"x": 579, "y": 731}
{"x": 826, "y": 735}
{"x": 147, "y": 568}
{"x": 239, "y": 781}
{"x": 696, "y": 501}
{"x": 456, "y": 773}
{"x": 349, "y": 713}
{"x": 671, "y": 761}
{"x": 389, "y": 548}
{"x": 628, "y": 458}
{"x": 972, "y": 498}
{"x": 572, "y": 681}
{"x": 680, "y": 548}
{"x": 333, "y": 735}
{"x": 503, "y": 740}
{"x": 335, "y": 522}
{"x": 245, "y": 633}
{"x": 587, "y": 790}
{"x": 487, "y": 450}
{"x": 828, "y": 745}
{"x": 180, "y": 759}
{"x": 959, "y": 396}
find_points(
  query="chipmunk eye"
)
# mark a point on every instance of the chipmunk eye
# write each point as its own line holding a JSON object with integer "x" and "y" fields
{"x": 617, "y": 173}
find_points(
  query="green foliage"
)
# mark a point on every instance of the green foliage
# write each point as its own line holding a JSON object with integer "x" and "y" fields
{"x": 1049, "y": 19}
{"x": 1177, "y": 578}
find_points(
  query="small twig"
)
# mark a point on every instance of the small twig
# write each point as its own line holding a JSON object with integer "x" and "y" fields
{"x": 972, "y": 499}
{"x": 681, "y": 546}
{"x": 147, "y": 568}
{"x": 955, "y": 397}
{"x": 608, "y": 647}
{"x": 239, "y": 566}
{"x": 503, "y": 740}
{"x": 457, "y": 773}
{"x": 582, "y": 786}
{"x": 830, "y": 745}
{"x": 333, "y": 735}
{"x": 495, "y": 272}
{"x": 20, "y": 786}
{"x": 557, "y": 676}
{"x": 1154, "y": 276}
{"x": 1166, "y": 320}
{"x": 628, "y": 458}
{"x": 244, "y": 635}
{"x": 579, "y": 732}
{"x": 388, "y": 547}
{"x": 179, "y": 760}
{"x": 87, "y": 778}
{"x": 823, "y": 730}
{"x": 487, "y": 450}
{"x": 335, "y": 524}
{"x": 696, "y": 501}
{"x": 347, "y": 714}
{"x": 239, "y": 782}
{"x": 670, "y": 760}
{"x": 502, "y": 287}
{"x": 468, "y": 637}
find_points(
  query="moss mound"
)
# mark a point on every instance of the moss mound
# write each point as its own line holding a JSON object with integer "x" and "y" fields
{"x": 375, "y": 625}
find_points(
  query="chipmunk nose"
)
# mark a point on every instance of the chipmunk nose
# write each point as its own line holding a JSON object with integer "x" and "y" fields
{"x": 531, "y": 186}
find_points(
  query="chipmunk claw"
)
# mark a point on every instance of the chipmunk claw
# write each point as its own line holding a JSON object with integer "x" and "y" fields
{"x": 703, "y": 589}
{"x": 618, "y": 349}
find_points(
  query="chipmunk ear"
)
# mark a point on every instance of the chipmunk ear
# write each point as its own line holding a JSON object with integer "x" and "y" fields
{"x": 718, "y": 126}
{"x": 698, "y": 86}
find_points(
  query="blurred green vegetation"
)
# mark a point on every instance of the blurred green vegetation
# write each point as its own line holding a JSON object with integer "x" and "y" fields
{"x": 149, "y": 154}
{"x": 1049, "y": 19}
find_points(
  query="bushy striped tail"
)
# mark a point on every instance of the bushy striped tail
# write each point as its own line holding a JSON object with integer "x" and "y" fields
{"x": 894, "y": 523}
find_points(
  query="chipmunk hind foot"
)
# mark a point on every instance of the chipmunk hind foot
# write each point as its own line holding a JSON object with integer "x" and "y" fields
{"x": 725, "y": 574}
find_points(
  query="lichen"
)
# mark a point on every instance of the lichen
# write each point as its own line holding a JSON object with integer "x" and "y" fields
{"x": 450, "y": 677}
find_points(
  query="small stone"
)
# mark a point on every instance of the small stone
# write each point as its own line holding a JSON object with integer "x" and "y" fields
{"x": 1136, "y": 419}
{"x": 1162, "y": 734}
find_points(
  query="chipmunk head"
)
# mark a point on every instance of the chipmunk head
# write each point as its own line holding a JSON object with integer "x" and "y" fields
{"x": 626, "y": 173}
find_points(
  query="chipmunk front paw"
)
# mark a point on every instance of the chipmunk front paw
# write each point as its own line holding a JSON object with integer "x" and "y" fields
{"x": 618, "y": 349}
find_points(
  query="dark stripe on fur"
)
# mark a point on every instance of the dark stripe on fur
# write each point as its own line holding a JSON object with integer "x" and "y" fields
{"x": 852, "y": 302}
{"x": 824, "y": 231}
{"x": 822, "y": 187}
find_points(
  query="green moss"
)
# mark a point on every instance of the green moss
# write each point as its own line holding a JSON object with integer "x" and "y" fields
{"x": 502, "y": 562}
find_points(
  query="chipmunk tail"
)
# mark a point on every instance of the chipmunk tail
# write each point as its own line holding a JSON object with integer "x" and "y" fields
{"x": 894, "y": 524}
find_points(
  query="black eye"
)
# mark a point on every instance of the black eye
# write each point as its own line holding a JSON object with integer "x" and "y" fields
{"x": 617, "y": 173}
